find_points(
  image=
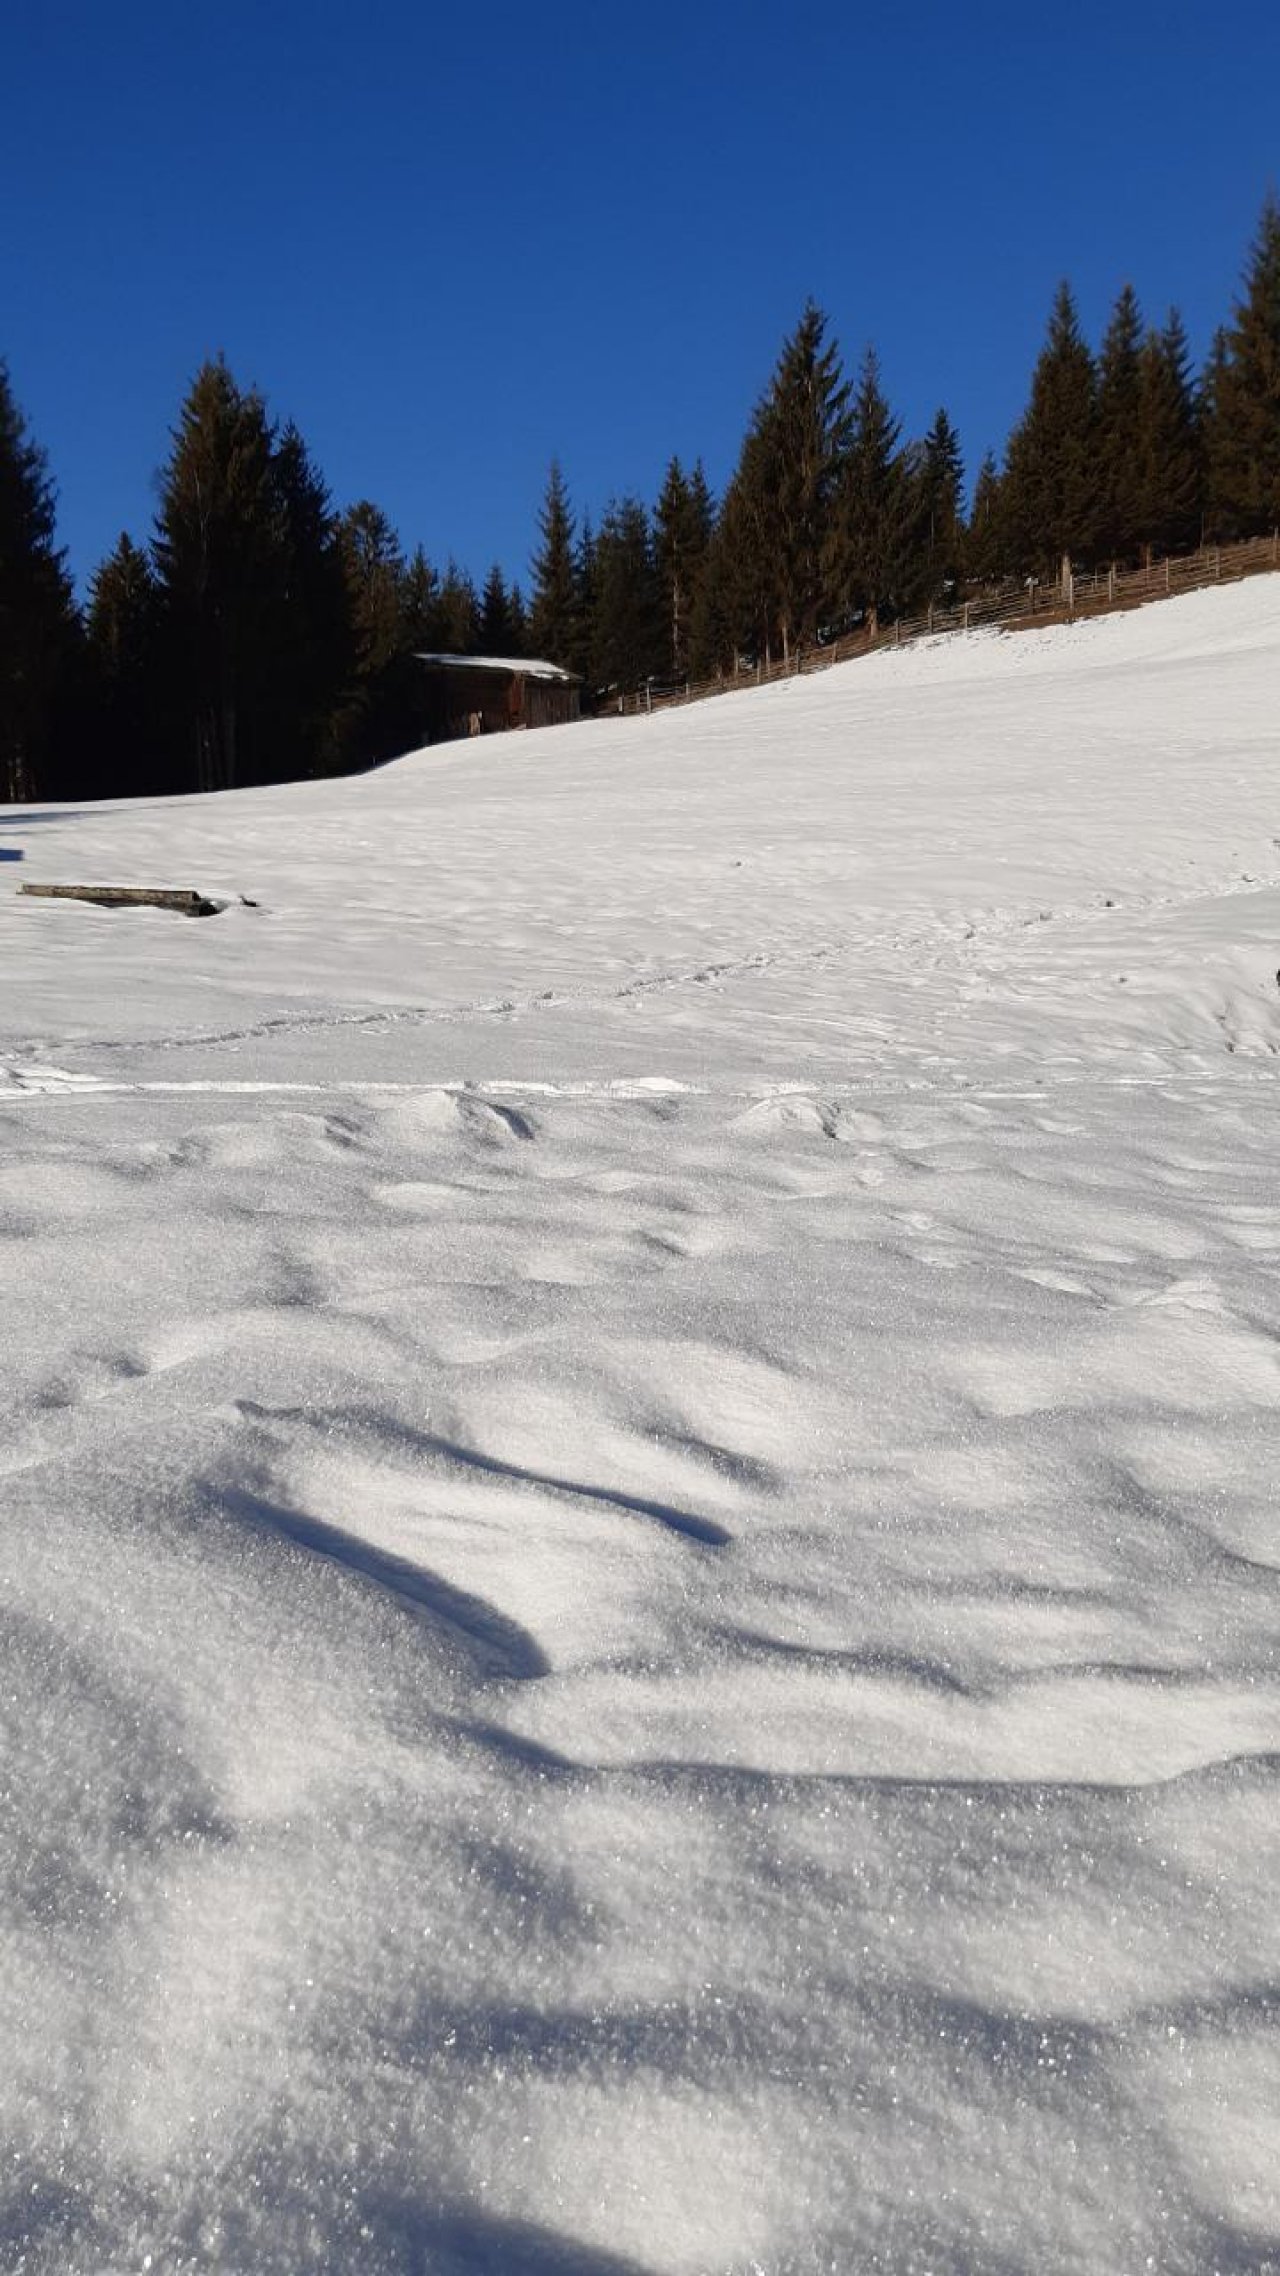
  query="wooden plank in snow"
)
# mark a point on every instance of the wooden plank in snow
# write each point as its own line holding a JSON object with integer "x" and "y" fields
{"x": 190, "y": 903}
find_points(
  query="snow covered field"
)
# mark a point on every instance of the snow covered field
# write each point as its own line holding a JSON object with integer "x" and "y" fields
{"x": 639, "y": 1432}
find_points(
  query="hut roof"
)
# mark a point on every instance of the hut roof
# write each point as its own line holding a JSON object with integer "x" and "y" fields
{"x": 530, "y": 666}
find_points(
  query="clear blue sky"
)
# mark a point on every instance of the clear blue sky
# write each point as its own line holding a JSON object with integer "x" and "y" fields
{"x": 449, "y": 246}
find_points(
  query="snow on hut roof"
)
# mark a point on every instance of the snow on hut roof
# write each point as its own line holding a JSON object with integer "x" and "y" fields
{"x": 528, "y": 665}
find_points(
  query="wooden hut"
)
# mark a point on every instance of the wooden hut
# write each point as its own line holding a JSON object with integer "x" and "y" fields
{"x": 488, "y": 695}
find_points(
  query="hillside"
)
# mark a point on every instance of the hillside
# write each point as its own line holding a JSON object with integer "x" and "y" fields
{"x": 638, "y": 1454}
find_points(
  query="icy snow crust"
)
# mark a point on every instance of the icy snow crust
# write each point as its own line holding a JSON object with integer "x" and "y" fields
{"x": 638, "y": 1466}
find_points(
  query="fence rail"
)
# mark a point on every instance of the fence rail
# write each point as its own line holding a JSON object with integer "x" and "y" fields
{"x": 1049, "y": 601}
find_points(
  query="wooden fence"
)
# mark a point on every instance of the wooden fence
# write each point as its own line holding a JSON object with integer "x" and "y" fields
{"x": 1048, "y": 601}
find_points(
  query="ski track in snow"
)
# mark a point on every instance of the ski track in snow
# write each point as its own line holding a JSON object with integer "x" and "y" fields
{"x": 661, "y": 1658}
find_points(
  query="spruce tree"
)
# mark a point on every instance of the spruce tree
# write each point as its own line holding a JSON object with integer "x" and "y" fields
{"x": 1170, "y": 452}
{"x": 875, "y": 524}
{"x": 940, "y": 511}
{"x": 377, "y": 718}
{"x": 131, "y": 680}
{"x": 806, "y": 430}
{"x": 1244, "y": 398}
{"x": 217, "y": 550}
{"x": 1121, "y": 501}
{"x": 39, "y": 628}
{"x": 579, "y": 655}
{"x": 374, "y": 567}
{"x": 457, "y": 614}
{"x": 985, "y": 559}
{"x": 496, "y": 630}
{"x": 553, "y": 612}
{"x": 683, "y": 521}
{"x": 1050, "y": 492}
{"x": 744, "y": 564}
{"x": 713, "y": 625}
{"x": 519, "y": 618}
{"x": 627, "y": 630}
{"x": 250, "y": 559}
{"x": 420, "y": 606}
{"x": 778, "y": 506}
{"x": 307, "y": 623}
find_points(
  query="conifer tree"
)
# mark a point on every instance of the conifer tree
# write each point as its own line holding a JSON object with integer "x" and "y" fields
{"x": 39, "y": 629}
{"x": 496, "y": 631}
{"x": 519, "y": 616}
{"x": 217, "y": 544}
{"x": 579, "y": 656}
{"x": 984, "y": 544}
{"x": 374, "y": 567}
{"x": 683, "y": 521}
{"x": 419, "y": 605}
{"x": 553, "y": 612}
{"x": 875, "y": 522}
{"x": 250, "y": 560}
{"x": 377, "y": 718}
{"x": 713, "y": 625}
{"x": 805, "y": 431}
{"x": 1170, "y": 453}
{"x": 306, "y": 623}
{"x": 131, "y": 680}
{"x": 745, "y": 564}
{"x": 1243, "y": 398}
{"x": 627, "y": 628}
{"x": 1050, "y": 491}
{"x": 940, "y": 509}
{"x": 1119, "y": 430}
{"x": 457, "y": 614}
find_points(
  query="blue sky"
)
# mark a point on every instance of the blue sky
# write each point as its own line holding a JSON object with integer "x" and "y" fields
{"x": 450, "y": 246}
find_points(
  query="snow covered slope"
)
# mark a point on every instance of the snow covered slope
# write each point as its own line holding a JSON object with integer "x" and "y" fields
{"x": 639, "y": 1424}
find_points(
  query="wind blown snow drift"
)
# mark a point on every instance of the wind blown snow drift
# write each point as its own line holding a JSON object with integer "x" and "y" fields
{"x": 639, "y": 1433}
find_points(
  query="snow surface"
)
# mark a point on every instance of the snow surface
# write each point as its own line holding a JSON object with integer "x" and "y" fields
{"x": 526, "y": 666}
{"x": 640, "y": 1422}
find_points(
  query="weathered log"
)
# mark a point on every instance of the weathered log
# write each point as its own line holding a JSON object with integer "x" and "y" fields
{"x": 184, "y": 899}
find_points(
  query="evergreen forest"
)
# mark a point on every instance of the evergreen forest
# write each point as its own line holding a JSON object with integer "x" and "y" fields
{"x": 261, "y": 633}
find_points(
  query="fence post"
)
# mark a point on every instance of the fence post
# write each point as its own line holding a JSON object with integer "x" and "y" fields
{"x": 966, "y": 616}
{"x": 1166, "y": 572}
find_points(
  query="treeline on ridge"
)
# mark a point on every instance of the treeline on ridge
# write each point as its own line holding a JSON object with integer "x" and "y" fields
{"x": 262, "y": 635}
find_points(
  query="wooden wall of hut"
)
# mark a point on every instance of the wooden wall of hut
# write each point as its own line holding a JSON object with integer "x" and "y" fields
{"x": 458, "y": 702}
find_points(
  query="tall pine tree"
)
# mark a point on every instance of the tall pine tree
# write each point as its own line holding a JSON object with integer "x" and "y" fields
{"x": 307, "y": 622}
{"x": 553, "y": 608}
{"x": 497, "y": 629}
{"x": 1170, "y": 459}
{"x": 627, "y": 627}
{"x": 775, "y": 523}
{"x": 217, "y": 546}
{"x": 985, "y": 554}
{"x": 683, "y": 522}
{"x": 1050, "y": 494}
{"x": 940, "y": 513}
{"x": 805, "y": 431}
{"x": 1119, "y": 431}
{"x": 875, "y": 525}
{"x": 1244, "y": 399}
{"x": 131, "y": 679}
{"x": 39, "y": 628}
